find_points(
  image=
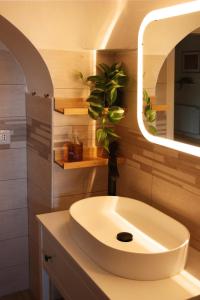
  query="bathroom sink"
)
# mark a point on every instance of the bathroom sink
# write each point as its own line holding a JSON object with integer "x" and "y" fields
{"x": 128, "y": 237}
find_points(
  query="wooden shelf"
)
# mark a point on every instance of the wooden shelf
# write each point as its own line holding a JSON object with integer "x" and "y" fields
{"x": 71, "y": 106}
{"x": 160, "y": 107}
{"x": 87, "y": 162}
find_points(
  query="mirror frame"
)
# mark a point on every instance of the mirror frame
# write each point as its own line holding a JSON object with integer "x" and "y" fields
{"x": 155, "y": 15}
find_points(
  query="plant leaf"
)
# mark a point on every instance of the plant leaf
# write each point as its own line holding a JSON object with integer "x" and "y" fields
{"x": 113, "y": 96}
{"x": 146, "y": 97}
{"x": 94, "y": 78}
{"x": 115, "y": 114}
{"x": 116, "y": 66}
{"x": 111, "y": 132}
{"x": 93, "y": 113}
{"x": 152, "y": 129}
{"x": 92, "y": 98}
{"x": 96, "y": 105}
{"x": 80, "y": 75}
{"x": 104, "y": 67}
{"x": 101, "y": 135}
{"x": 150, "y": 115}
{"x": 106, "y": 144}
{"x": 97, "y": 91}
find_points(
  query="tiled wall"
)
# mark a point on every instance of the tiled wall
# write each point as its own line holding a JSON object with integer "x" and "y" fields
{"x": 72, "y": 185}
{"x": 168, "y": 179}
{"x": 13, "y": 173}
{"x": 39, "y": 164}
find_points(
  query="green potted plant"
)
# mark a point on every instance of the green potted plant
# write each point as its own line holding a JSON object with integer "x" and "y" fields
{"x": 149, "y": 113}
{"x": 105, "y": 106}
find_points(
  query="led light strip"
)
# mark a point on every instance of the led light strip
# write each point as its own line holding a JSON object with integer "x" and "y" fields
{"x": 164, "y": 13}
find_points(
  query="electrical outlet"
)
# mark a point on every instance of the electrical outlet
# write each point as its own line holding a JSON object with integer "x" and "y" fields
{"x": 4, "y": 137}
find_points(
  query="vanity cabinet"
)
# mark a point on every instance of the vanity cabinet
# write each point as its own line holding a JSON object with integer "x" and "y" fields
{"x": 63, "y": 272}
{"x": 77, "y": 277}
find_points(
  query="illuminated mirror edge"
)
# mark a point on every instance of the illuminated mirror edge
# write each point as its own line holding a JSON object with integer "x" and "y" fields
{"x": 172, "y": 11}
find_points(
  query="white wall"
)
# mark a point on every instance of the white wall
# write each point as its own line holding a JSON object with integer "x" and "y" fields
{"x": 76, "y": 24}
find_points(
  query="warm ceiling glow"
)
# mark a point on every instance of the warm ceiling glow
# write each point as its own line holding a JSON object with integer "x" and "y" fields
{"x": 172, "y": 11}
{"x": 119, "y": 8}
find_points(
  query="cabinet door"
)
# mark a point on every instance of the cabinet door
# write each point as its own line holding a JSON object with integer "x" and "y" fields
{"x": 70, "y": 284}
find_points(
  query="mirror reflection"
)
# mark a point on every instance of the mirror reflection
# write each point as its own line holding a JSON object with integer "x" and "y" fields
{"x": 172, "y": 76}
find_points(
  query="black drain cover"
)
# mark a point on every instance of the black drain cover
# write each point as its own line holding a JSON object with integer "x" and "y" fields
{"x": 124, "y": 237}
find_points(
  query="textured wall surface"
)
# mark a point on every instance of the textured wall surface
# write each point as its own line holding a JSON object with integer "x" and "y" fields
{"x": 72, "y": 185}
{"x": 13, "y": 173}
{"x": 167, "y": 179}
{"x": 39, "y": 165}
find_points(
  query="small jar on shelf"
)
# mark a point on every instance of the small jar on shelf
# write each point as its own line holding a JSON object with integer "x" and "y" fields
{"x": 73, "y": 149}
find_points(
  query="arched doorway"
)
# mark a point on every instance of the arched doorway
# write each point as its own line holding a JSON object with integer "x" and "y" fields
{"x": 25, "y": 161}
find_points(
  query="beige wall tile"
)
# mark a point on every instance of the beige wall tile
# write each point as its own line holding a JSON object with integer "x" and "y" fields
{"x": 39, "y": 170}
{"x": 13, "y": 223}
{"x": 36, "y": 195}
{"x": 39, "y": 108}
{"x": 14, "y": 279}
{"x": 129, "y": 59}
{"x": 67, "y": 182}
{"x": 13, "y": 194}
{"x": 64, "y": 202}
{"x": 12, "y": 101}
{"x": 181, "y": 204}
{"x": 165, "y": 151}
{"x": 175, "y": 173}
{"x": 10, "y": 70}
{"x": 13, "y": 164}
{"x": 37, "y": 205}
{"x": 134, "y": 183}
{"x": 95, "y": 180}
{"x": 13, "y": 252}
{"x": 130, "y": 104}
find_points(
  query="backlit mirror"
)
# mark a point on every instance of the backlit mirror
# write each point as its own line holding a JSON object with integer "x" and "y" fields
{"x": 169, "y": 71}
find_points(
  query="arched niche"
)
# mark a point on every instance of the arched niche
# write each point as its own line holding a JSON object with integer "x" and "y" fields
{"x": 36, "y": 73}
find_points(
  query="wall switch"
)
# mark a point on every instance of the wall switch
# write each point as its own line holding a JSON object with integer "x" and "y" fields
{"x": 4, "y": 137}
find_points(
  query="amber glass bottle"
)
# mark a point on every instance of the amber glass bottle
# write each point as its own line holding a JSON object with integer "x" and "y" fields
{"x": 77, "y": 149}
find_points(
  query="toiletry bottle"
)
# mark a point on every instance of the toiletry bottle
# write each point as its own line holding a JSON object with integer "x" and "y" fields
{"x": 71, "y": 148}
{"x": 77, "y": 149}
{"x": 65, "y": 152}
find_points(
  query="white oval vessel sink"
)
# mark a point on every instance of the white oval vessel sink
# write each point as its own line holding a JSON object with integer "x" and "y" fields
{"x": 159, "y": 246}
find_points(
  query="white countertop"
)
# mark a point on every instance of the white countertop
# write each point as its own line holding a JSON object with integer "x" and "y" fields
{"x": 180, "y": 287}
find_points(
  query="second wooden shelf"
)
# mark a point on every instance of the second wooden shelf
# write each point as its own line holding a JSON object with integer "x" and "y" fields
{"x": 87, "y": 162}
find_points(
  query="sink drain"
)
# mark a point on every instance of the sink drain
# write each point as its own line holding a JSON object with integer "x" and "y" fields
{"x": 124, "y": 237}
